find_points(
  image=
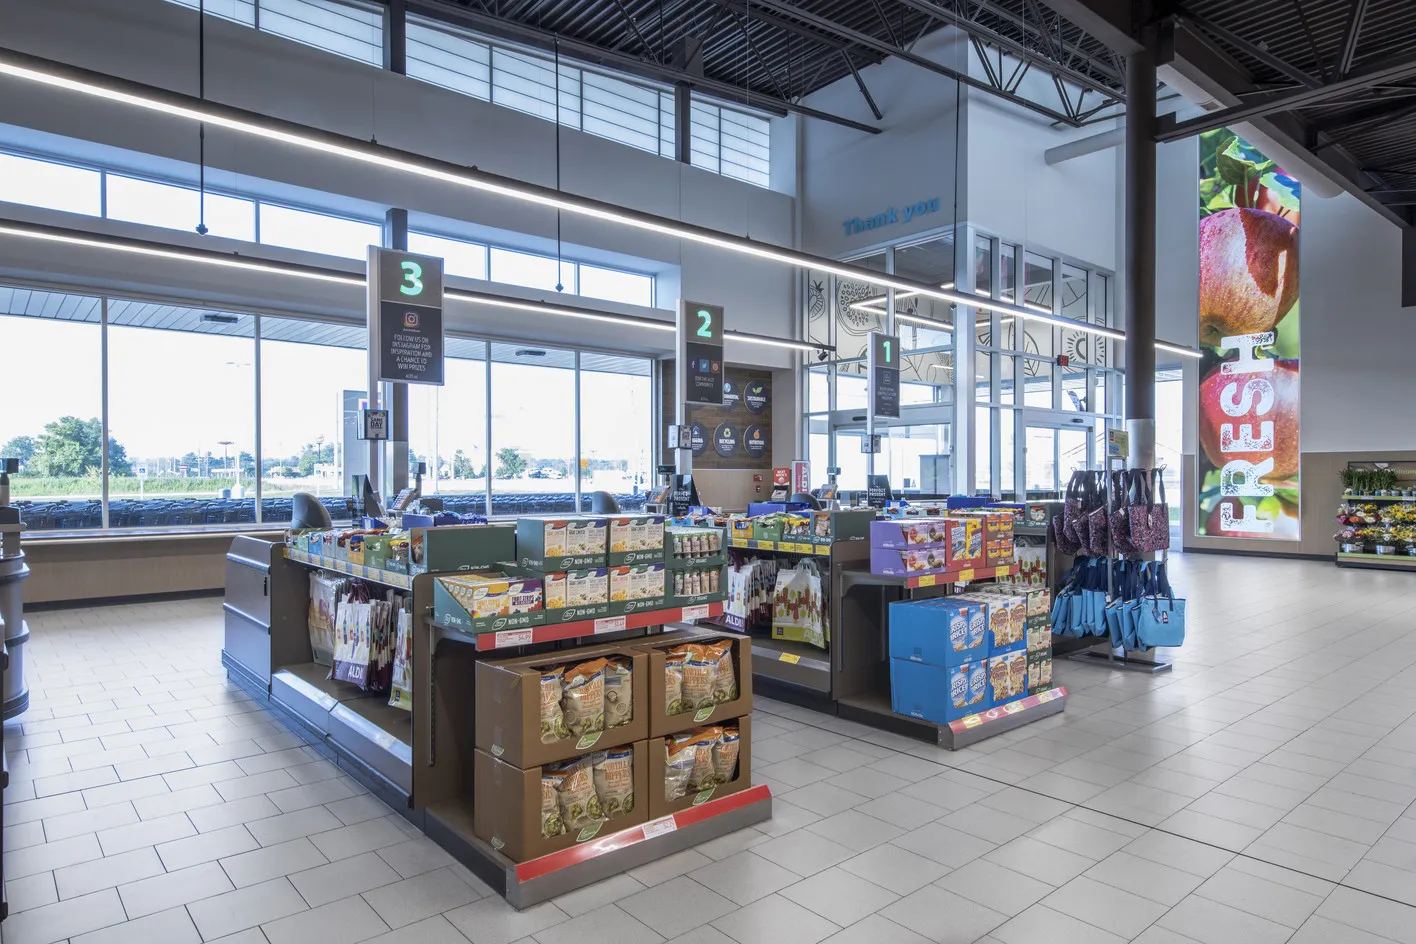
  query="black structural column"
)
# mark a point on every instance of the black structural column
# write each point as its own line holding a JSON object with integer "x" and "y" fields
{"x": 396, "y": 37}
{"x": 395, "y": 236}
{"x": 683, "y": 123}
{"x": 1140, "y": 249}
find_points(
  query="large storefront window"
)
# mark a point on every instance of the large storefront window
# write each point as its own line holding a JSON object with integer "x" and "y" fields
{"x": 209, "y": 427}
{"x": 313, "y": 376}
{"x": 182, "y": 401}
{"x": 51, "y": 420}
{"x": 447, "y": 429}
{"x": 616, "y": 423}
{"x": 533, "y": 429}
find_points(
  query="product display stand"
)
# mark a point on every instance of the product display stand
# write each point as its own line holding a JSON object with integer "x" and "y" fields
{"x": 861, "y": 661}
{"x": 788, "y": 668}
{"x": 420, "y": 762}
{"x": 1135, "y": 660}
{"x": 1377, "y": 519}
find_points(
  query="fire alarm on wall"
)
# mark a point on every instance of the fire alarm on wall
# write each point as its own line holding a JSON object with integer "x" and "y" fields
{"x": 1063, "y": 360}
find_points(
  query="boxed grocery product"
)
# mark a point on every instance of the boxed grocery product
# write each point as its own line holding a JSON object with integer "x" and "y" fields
{"x": 938, "y": 631}
{"x": 1037, "y": 600}
{"x": 488, "y": 601}
{"x": 844, "y": 524}
{"x": 1004, "y": 634}
{"x": 1039, "y": 671}
{"x": 576, "y": 594}
{"x": 740, "y": 529}
{"x": 904, "y": 533}
{"x": 691, "y": 586}
{"x": 460, "y": 547}
{"x": 915, "y": 562}
{"x": 1006, "y": 596}
{"x": 558, "y": 705}
{"x": 687, "y": 546}
{"x": 635, "y": 539}
{"x": 939, "y": 693}
{"x": 1039, "y": 634}
{"x": 697, "y": 678}
{"x": 767, "y": 528}
{"x": 965, "y": 546}
{"x": 531, "y": 812}
{"x": 1008, "y": 676}
{"x": 555, "y": 544}
{"x": 698, "y": 765}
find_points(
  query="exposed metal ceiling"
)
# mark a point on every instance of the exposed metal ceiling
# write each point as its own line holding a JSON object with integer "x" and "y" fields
{"x": 773, "y": 53}
{"x": 1288, "y": 46}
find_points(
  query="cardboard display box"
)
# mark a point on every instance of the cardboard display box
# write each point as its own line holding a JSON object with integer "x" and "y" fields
{"x": 460, "y": 547}
{"x": 660, "y": 805}
{"x": 508, "y": 693}
{"x": 658, "y": 647}
{"x": 635, "y": 539}
{"x": 940, "y": 693}
{"x": 938, "y": 631}
{"x": 507, "y": 807}
{"x": 500, "y": 602}
{"x": 558, "y": 544}
{"x": 907, "y": 533}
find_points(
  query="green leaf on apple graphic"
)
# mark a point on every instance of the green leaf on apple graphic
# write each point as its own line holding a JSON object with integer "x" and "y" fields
{"x": 1237, "y": 166}
{"x": 1286, "y": 334}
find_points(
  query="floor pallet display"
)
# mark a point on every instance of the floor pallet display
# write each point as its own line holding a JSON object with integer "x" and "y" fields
{"x": 426, "y": 762}
{"x": 1376, "y": 519}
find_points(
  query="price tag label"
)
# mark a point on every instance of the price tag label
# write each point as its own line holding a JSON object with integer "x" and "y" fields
{"x": 738, "y": 542}
{"x": 927, "y": 580}
{"x": 790, "y": 658}
{"x": 695, "y": 612}
{"x": 966, "y": 575}
{"x": 610, "y": 624}
{"x": 767, "y": 545}
{"x": 659, "y": 827}
{"x": 513, "y": 637}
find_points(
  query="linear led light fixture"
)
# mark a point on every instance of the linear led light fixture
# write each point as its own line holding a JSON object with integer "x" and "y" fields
{"x": 72, "y": 237}
{"x": 1178, "y": 349}
{"x": 98, "y": 85}
{"x": 110, "y": 88}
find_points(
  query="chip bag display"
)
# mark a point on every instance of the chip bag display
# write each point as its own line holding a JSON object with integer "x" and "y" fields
{"x": 552, "y": 718}
{"x": 614, "y": 780}
{"x": 680, "y": 759}
{"x": 552, "y": 824}
{"x": 579, "y": 804}
{"x": 619, "y": 691}
{"x": 725, "y": 755}
{"x": 583, "y": 699}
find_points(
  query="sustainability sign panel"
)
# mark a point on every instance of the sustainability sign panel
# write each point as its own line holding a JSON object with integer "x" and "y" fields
{"x": 1249, "y": 405}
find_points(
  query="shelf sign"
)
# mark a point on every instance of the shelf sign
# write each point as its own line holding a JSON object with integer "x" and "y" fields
{"x": 406, "y": 315}
{"x": 700, "y": 330}
{"x": 1118, "y": 443}
{"x": 883, "y": 369}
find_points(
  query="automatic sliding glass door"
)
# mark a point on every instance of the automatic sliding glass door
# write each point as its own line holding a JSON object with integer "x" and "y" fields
{"x": 1052, "y": 447}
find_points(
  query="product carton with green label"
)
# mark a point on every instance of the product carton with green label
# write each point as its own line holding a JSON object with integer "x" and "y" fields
{"x": 552, "y": 544}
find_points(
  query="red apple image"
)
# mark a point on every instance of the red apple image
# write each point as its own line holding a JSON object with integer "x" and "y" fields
{"x": 1283, "y": 415}
{"x": 1248, "y": 272}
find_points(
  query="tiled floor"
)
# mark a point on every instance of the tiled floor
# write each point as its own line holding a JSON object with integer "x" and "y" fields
{"x": 1261, "y": 792}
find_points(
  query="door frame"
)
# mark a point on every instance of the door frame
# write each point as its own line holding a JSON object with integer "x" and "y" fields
{"x": 1051, "y": 419}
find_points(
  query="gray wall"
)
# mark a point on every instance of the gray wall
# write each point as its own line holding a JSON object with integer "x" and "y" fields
{"x": 848, "y": 174}
{"x": 155, "y": 42}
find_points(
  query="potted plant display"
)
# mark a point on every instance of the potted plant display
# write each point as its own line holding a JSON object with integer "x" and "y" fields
{"x": 1385, "y": 541}
{"x": 1346, "y": 475}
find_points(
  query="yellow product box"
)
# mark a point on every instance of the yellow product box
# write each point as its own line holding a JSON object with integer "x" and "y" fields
{"x": 485, "y": 595}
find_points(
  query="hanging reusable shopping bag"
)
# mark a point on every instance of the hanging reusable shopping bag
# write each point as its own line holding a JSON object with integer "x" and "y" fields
{"x": 1149, "y": 519}
{"x": 352, "y": 635}
{"x": 1121, "y": 542}
{"x": 401, "y": 689}
{"x": 1160, "y": 618}
{"x": 1072, "y": 508}
{"x": 798, "y": 606}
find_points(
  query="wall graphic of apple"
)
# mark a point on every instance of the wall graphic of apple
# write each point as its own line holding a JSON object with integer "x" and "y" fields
{"x": 1283, "y": 415}
{"x": 1248, "y": 272}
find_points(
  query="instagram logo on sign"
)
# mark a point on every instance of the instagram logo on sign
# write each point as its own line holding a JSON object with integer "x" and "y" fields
{"x": 410, "y": 319}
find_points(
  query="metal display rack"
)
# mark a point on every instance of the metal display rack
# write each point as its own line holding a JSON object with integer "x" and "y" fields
{"x": 420, "y": 762}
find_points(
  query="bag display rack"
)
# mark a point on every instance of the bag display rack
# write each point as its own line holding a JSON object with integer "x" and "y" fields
{"x": 419, "y": 762}
{"x": 1104, "y": 602}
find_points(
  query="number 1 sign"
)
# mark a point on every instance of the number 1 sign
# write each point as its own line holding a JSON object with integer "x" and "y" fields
{"x": 883, "y": 367}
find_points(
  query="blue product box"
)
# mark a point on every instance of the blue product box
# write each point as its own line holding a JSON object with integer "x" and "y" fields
{"x": 936, "y": 693}
{"x": 937, "y": 632}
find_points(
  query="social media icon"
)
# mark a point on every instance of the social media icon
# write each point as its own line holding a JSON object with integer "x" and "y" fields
{"x": 410, "y": 319}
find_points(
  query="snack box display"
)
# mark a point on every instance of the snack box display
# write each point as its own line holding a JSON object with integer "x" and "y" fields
{"x": 635, "y": 539}
{"x": 1004, "y": 635}
{"x": 509, "y": 804}
{"x": 660, "y": 805}
{"x": 1015, "y": 603}
{"x": 488, "y": 601}
{"x": 1038, "y": 600}
{"x": 893, "y": 562}
{"x": 1039, "y": 671}
{"x": 638, "y": 588}
{"x": 556, "y": 544}
{"x": 939, "y": 693}
{"x": 965, "y": 544}
{"x": 1007, "y": 677}
{"x": 740, "y": 529}
{"x": 664, "y": 689}
{"x": 521, "y": 705}
{"x": 846, "y": 524}
{"x": 905, "y": 533}
{"x": 460, "y": 547}
{"x": 768, "y": 528}
{"x": 938, "y": 631}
